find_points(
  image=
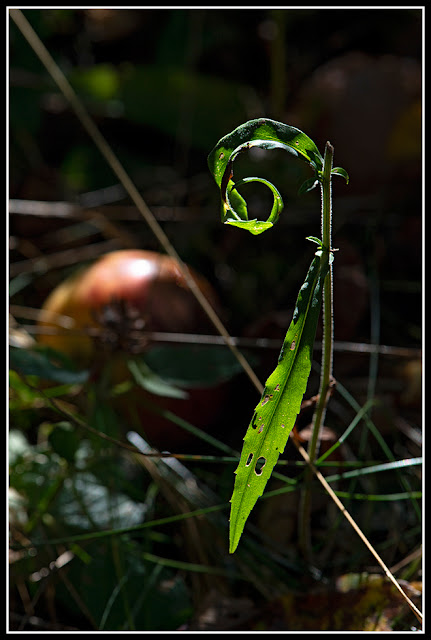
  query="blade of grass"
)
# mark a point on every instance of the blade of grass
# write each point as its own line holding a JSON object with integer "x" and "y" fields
{"x": 208, "y": 510}
{"x": 134, "y": 529}
{"x": 378, "y": 437}
{"x": 364, "y": 539}
{"x": 347, "y": 432}
{"x": 379, "y": 497}
{"x": 376, "y": 468}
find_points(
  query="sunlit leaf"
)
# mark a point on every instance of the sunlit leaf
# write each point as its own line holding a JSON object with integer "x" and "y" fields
{"x": 255, "y": 226}
{"x": 265, "y": 134}
{"x": 275, "y": 414}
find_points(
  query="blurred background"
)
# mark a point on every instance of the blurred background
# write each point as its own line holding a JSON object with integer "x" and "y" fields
{"x": 163, "y": 86}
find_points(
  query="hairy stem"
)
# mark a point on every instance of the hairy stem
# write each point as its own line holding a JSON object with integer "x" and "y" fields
{"x": 327, "y": 355}
{"x": 328, "y": 319}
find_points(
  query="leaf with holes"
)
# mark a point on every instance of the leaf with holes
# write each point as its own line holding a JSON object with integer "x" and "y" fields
{"x": 265, "y": 134}
{"x": 275, "y": 414}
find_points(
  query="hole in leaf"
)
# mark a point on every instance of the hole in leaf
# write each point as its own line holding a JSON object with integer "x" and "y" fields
{"x": 261, "y": 462}
{"x": 293, "y": 345}
{"x": 249, "y": 459}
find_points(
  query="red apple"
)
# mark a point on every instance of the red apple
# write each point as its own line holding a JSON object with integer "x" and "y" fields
{"x": 123, "y": 295}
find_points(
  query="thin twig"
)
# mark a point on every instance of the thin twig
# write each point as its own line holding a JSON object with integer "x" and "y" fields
{"x": 200, "y": 338}
{"x": 64, "y": 326}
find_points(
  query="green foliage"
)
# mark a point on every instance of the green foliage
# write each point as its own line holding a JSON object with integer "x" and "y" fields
{"x": 275, "y": 414}
{"x": 265, "y": 134}
{"x": 339, "y": 171}
{"x": 151, "y": 382}
{"x": 60, "y": 488}
{"x": 46, "y": 363}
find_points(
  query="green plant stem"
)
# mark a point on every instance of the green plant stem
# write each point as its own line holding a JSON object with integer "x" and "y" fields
{"x": 327, "y": 355}
{"x": 328, "y": 316}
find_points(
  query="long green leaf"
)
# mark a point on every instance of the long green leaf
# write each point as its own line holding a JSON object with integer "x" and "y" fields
{"x": 266, "y": 134}
{"x": 275, "y": 414}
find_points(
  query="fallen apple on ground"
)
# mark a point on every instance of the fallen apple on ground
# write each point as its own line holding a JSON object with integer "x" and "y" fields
{"x": 113, "y": 303}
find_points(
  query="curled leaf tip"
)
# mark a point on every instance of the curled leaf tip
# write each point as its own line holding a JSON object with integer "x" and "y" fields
{"x": 256, "y": 227}
{"x": 339, "y": 171}
{"x": 265, "y": 134}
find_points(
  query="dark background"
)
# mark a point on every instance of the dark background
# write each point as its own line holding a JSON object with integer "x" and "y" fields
{"x": 164, "y": 86}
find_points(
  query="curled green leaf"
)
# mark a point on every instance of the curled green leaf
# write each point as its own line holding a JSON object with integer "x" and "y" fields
{"x": 240, "y": 219}
{"x": 316, "y": 240}
{"x": 265, "y": 134}
{"x": 255, "y": 226}
{"x": 339, "y": 171}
